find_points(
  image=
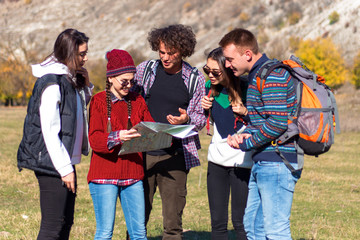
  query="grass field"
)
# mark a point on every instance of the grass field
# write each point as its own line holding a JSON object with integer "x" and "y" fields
{"x": 326, "y": 202}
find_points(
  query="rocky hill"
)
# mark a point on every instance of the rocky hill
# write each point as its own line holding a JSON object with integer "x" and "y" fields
{"x": 125, "y": 24}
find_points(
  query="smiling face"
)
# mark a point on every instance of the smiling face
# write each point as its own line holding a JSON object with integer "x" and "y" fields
{"x": 170, "y": 59}
{"x": 121, "y": 84}
{"x": 236, "y": 61}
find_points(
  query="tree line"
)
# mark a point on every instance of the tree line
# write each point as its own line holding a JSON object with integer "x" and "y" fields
{"x": 321, "y": 56}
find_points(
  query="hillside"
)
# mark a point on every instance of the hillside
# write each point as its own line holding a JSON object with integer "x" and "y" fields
{"x": 125, "y": 24}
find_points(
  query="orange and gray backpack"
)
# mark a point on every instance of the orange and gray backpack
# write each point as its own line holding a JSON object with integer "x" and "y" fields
{"x": 316, "y": 116}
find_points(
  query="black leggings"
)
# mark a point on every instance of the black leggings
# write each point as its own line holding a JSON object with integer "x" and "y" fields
{"x": 220, "y": 180}
{"x": 57, "y": 208}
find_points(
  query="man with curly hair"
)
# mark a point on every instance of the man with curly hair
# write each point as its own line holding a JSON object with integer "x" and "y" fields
{"x": 165, "y": 86}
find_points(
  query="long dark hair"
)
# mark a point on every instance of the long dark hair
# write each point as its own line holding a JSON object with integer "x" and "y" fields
{"x": 231, "y": 82}
{"x": 66, "y": 48}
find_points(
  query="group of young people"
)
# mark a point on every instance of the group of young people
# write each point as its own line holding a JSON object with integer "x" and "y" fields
{"x": 241, "y": 160}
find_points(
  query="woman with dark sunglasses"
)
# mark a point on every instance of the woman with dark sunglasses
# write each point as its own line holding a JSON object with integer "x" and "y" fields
{"x": 228, "y": 168}
{"x": 113, "y": 112}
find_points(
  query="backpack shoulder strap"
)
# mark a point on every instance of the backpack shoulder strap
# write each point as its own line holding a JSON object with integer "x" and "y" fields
{"x": 264, "y": 72}
{"x": 148, "y": 68}
{"x": 210, "y": 94}
{"x": 193, "y": 81}
{"x": 268, "y": 67}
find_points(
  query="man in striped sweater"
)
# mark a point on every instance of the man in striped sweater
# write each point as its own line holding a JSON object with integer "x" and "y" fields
{"x": 271, "y": 185}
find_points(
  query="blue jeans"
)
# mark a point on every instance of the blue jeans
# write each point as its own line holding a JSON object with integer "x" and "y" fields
{"x": 132, "y": 203}
{"x": 271, "y": 190}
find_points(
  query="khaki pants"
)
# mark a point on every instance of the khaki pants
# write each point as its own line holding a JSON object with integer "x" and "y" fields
{"x": 167, "y": 172}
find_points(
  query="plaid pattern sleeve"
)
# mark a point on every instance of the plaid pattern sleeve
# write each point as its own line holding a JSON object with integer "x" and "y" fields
{"x": 191, "y": 145}
{"x": 113, "y": 139}
{"x": 197, "y": 118}
{"x": 138, "y": 87}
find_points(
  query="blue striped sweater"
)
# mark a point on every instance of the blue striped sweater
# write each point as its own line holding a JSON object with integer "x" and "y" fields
{"x": 268, "y": 114}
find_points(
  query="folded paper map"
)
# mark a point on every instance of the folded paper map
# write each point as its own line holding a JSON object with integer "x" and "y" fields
{"x": 155, "y": 136}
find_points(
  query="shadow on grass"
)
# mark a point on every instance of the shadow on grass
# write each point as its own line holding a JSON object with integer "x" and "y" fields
{"x": 194, "y": 235}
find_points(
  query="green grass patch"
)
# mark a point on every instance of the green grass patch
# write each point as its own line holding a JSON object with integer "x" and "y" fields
{"x": 326, "y": 201}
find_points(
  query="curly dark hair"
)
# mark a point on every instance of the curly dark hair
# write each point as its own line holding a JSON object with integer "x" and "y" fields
{"x": 178, "y": 36}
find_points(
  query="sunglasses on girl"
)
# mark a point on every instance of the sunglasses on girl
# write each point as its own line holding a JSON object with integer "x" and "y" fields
{"x": 215, "y": 73}
{"x": 124, "y": 83}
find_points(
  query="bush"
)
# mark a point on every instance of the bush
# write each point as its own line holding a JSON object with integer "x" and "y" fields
{"x": 97, "y": 74}
{"x": 322, "y": 57}
{"x": 334, "y": 17}
{"x": 294, "y": 18}
{"x": 356, "y": 72}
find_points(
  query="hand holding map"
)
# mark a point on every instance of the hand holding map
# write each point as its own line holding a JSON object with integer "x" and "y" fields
{"x": 155, "y": 136}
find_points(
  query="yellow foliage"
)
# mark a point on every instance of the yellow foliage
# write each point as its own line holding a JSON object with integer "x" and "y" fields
{"x": 19, "y": 94}
{"x": 356, "y": 72}
{"x": 334, "y": 17}
{"x": 97, "y": 74}
{"x": 323, "y": 57}
{"x": 15, "y": 79}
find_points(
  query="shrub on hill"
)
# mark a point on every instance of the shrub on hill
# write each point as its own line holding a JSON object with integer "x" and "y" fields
{"x": 323, "y": 57}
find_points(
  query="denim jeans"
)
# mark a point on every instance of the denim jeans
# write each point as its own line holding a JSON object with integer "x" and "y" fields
{"x": 271, "y": 190}
{"x": 132, "y": 203}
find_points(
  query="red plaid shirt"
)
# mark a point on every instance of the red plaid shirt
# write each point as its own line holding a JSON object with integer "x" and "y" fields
{"x": 118, "y": 182}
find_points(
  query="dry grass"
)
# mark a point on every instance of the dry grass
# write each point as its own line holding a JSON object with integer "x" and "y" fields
{"x": 326, "y": 201}
{"x": 348, "y": 101}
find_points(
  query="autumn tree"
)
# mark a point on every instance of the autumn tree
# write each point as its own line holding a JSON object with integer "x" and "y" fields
{"x": 97, "y": 74}
{"x": 16, "y": 80}
{"x": 323, "y": 57}
{"x": 356, "y": 71}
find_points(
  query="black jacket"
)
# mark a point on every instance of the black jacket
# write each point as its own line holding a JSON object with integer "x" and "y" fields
{"x": 32, "y": 152}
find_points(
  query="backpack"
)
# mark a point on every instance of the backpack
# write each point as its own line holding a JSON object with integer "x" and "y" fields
{"x": 316, "y": 116}
{"x": 193, "y": 79}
